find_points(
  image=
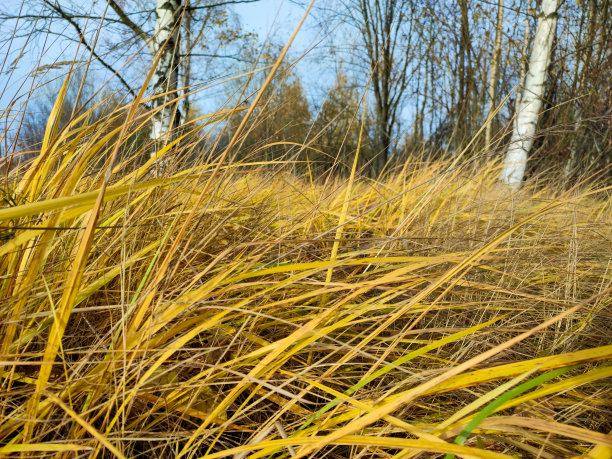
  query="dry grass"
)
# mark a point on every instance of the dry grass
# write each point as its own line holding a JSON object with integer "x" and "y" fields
{"x": 218, "y": 309}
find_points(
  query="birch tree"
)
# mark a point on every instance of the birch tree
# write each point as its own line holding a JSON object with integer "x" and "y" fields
{"x": 164, "y": 45}
{"x": 521, "y": 141}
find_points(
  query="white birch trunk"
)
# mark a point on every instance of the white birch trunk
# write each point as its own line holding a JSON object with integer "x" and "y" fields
{"x": 165, "y": 78}
{"x": 527, "y": 116}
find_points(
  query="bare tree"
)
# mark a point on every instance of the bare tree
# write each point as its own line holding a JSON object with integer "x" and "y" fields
{"x": 386, "y": 27}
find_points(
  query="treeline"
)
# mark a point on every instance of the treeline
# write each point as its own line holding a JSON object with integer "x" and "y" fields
{"x": 445, "y": 75}
{"x": 440, "y": 78}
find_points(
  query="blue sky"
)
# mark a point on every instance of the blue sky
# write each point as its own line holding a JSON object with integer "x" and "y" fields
{"x": 265, "y": 16}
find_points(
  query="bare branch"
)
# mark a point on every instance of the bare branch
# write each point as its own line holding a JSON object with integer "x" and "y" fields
{"x": 79, "y": 31}
{"x": 128, "y": 22}
{"x": 215, "y": 5}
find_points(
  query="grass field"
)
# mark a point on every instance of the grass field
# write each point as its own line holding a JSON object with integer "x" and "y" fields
{"x": 223, "y": 309}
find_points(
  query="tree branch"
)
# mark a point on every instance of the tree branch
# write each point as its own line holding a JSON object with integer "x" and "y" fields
{"x": 4, "y": 17}
{"x": 79, "y": 31}
{"x": 214, "y": 5}
{"x": 128, "y": 22}
{"x": 236, "y": 58}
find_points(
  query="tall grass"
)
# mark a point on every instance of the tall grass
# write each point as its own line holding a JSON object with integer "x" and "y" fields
{"x": 208, "y": 307}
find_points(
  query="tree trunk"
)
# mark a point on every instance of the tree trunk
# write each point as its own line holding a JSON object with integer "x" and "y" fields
{"x": 387, "y": 30}
{"x": 527, "y": 116}
{"x": 164, "y": 83}
{"x": 464, "y": 127}
{"x": 523, "y": 73}
{"x": 494, "y": 65}
{"x": 186, "y": 62}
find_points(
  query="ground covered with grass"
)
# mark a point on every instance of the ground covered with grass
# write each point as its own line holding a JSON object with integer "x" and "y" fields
{"x": 222, "y": 309}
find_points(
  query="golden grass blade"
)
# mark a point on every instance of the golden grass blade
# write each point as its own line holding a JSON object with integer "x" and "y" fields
{"x": 82, "y": 200}
{"x": 503, "y": 371}
{"x": 43, "y": 448}
{"x": 172, "y": 348}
